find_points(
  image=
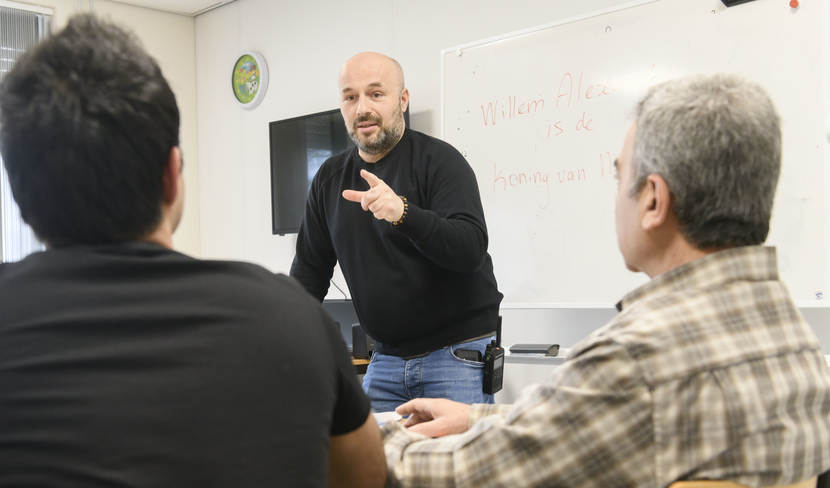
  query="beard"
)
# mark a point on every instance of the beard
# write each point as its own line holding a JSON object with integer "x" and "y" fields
{"x": 385, "y": 139}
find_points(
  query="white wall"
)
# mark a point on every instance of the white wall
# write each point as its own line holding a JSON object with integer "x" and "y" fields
{"x": 304, "y": 44}
{"x": 170, "y": 39}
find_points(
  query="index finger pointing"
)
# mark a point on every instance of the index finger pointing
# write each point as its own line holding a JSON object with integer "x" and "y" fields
{"x": 370, "y": 178}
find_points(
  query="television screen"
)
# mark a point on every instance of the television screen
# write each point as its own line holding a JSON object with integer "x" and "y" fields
{"x": 299, "y": 146}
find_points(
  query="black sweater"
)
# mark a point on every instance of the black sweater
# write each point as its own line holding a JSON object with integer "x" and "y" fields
{"x": 416, "y": 287}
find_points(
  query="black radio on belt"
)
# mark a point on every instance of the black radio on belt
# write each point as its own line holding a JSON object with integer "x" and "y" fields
{"x": 494, "y": 364}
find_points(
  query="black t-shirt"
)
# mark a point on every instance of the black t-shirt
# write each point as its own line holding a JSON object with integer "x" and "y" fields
{"x": 134, "y": 365}
{"x": 418, "y": 286}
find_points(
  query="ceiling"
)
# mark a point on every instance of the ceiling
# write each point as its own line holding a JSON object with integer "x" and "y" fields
{"x": 183, "y": 7}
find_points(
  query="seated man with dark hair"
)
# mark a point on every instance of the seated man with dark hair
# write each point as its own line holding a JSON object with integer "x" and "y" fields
{"x": 123, "y": 362}
{"x": 708, "y": 372}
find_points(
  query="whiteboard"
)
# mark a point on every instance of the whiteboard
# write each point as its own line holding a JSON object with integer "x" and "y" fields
{"x": 541, "y": 114}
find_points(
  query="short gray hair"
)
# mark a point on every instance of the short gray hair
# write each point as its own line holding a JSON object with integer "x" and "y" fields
{"x": 716, "y": 141}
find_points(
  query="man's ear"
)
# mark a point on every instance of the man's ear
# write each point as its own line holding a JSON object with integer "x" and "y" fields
{"x": 404, "y": 99}
{"x": 655, "y": 202}
{"x": 172, "y": 176}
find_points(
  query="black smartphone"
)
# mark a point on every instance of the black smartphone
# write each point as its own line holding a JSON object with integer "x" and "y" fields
{"x": 469, "y": 354}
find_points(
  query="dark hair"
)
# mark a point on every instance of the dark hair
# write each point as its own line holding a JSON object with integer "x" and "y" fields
{"x": 87, "y": 122}
{"x": 716, "y": 140}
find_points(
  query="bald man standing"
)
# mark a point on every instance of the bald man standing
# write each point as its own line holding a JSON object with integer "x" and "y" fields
{"x": 402, "y": 214}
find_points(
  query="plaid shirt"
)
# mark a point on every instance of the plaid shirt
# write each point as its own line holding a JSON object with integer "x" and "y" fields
{"x": 708, "y": 372}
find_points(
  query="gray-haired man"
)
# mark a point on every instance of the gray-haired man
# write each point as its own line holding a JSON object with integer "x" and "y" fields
{"x": 708, "y": 372}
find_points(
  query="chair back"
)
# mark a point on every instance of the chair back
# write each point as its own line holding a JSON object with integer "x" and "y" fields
{"x": 810, "y": 483}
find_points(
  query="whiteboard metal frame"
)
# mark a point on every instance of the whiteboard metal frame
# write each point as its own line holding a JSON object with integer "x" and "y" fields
{"x": 566, "y": 305}
{"x": 610, "y": 306}
{"x": 825, "y": 73}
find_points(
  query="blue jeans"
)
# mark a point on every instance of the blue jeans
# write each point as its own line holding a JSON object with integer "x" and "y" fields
{"x": 391, "y": 381}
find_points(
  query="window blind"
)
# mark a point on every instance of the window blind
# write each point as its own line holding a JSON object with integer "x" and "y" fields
{"x": 19, "y": 30}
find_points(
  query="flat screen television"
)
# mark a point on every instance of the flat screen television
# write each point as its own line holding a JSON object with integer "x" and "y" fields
{"x": 299, "y": 146}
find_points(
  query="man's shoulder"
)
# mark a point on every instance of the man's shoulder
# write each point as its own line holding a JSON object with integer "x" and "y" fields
{"x": 432, "y": 144}
{"x": 253, "y": 303}
{"x": 438, "y": 157}
{"x": 683, "y": 332}
{"x": 249, "y": 278}
{"x": 221, "y": 294}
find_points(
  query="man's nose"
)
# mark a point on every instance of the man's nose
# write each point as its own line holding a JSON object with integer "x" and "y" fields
{"x": 362, "y": 106}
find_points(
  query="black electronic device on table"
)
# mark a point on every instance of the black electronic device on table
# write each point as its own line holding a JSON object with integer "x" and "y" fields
{"x": 546, "y": 349}
{"x": 732, "y": 3}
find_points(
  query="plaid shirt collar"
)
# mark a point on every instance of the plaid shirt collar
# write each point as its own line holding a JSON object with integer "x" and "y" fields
{"x": 747, "y": 263}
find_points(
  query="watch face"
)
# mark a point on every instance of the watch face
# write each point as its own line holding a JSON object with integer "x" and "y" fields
{"x": 249, "y": 80}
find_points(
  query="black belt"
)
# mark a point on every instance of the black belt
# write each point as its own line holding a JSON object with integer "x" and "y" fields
{"x": 419, "y": 355}
{"x": 424, "y": 354}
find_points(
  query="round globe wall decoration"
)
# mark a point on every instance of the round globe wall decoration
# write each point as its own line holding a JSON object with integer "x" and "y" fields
{"x": 249, "y": 79}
